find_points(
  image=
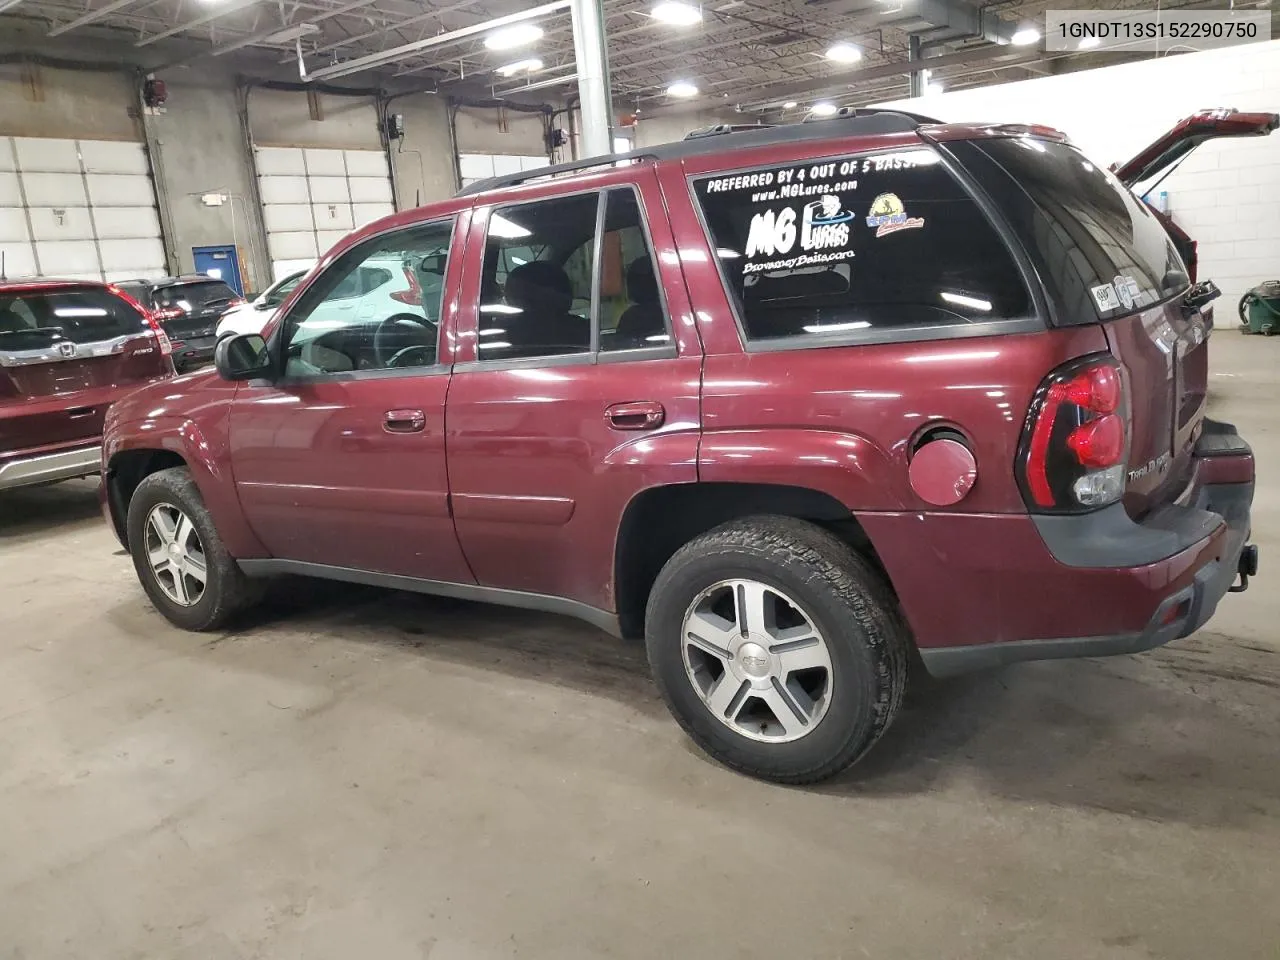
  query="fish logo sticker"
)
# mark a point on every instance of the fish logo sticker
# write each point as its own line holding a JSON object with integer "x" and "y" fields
{"x": 824, "y": 224}
{"x": 888, "y": 215}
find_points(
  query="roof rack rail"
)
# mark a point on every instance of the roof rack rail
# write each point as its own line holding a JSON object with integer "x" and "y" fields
{"x": 846, "y": 113}
{"x": 719, "y": 129}
{"x": 850, "y": 122}
{"x": 572, "y": 166}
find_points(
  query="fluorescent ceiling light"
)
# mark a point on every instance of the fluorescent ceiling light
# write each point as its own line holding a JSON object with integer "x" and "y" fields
{"x": 1025, "y": 36}
{"x": 516, "y": 35}
{"x": 960, "y": 300}
{"x": 724, "y": 253}
{"x": 294, "y": 32}
{"x": 790, "y": 105}
{"x": 844, "y": 53}
{"x": 1088, "y": 43}
{"x": 502, "y": 308}
{"x": 495, "y": 345}
{"x": 823, "y": 109}
{"x": 676, "y": 14}
{"x": 682, "y": 88}
{"x": 520, "y": 66}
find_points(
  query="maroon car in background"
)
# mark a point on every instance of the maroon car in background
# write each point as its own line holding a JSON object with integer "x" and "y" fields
{"x": 68, "y": 350}
{"x": 794, "y": 404}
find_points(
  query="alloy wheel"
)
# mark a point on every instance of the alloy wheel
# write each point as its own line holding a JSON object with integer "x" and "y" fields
{"x": 757, "y": 660}
{"x": 176, "y": 554}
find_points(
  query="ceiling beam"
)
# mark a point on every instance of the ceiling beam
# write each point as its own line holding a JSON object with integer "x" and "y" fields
{"x": 209, "y": 17}
{"x": 849, "y": 81}
{"x": 93, "y": 16}
{"x": 393, "y": 54}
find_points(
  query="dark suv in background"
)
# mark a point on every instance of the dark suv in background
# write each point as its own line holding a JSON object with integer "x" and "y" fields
{"x": 793, "y": 404}
{"x": 68, "y": 350}
{"x": 189, "y": 309}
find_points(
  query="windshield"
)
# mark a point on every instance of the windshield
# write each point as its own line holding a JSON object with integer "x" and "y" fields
{"x": 33, "y": 321}
{"x": 1095, "y": 240}
{"x": 276, "y": 295}
{"x": 194, "y": 296}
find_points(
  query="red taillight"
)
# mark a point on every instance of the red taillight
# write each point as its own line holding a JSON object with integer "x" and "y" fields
{"x": 162, "y": 338}
{"x": 1098, "y": 443}
{"x": 1073, "y": 454}
{"x": 236, "y": 302}
{"x": 412, "y": 296}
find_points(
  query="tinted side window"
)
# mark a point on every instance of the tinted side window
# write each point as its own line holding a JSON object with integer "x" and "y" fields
{"x": 376, "y": 308}
{"x": 536, "y": 288}
{"x": 632, "y": 314}
{"x": 876, "y": 243}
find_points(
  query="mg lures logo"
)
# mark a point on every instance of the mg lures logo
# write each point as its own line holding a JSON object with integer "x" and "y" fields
{"x": 824, "y": 225}
{"x": 888, "y": 215}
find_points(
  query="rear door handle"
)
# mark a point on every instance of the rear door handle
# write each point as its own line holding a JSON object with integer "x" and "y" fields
{"x": 639, "y": 415}
{"x": 404, "y": 421}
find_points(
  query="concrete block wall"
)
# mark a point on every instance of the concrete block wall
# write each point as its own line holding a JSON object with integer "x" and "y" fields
{"x": 1226, "y": 195}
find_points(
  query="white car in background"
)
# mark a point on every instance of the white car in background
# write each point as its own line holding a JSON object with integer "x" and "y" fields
{"x": 251, "y": 317}
{"x": 376, "y": 291}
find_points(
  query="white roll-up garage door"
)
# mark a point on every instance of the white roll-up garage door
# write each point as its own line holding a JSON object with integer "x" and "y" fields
{"x": 312, "y": 198}
{"x": 79, "y": 209}
{"x": 482, "y": 166}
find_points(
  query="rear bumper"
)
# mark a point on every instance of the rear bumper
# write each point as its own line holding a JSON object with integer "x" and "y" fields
{"x": 50, "y": 467}
{"x": 194, "y": 351}
{"x": 986, "y": 591}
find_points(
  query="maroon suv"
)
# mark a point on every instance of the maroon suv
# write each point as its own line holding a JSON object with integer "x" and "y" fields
{"x": 793, "y": 404}
{"x": 68, "y": 349}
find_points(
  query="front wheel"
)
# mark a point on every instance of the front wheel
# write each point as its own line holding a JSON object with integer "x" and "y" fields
{"x": 777, "y": 648}
{"x": 178, "y": 555}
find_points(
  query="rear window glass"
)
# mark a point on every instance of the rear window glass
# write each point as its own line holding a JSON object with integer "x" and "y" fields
{"x": 859, "y": 245}
{"x": 1097, "y": 241}
{"x": 194, "y": 295}
{"x": 32, "y": 321}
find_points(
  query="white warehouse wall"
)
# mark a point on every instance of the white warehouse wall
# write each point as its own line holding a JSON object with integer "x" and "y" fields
{"x": 1226, "y": 195}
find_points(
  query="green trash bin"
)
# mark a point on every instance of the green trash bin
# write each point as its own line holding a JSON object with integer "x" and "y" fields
{"x": 1260, "y": 309}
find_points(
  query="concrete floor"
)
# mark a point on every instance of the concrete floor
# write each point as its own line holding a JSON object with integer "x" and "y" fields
{"x": 375, "y": 775}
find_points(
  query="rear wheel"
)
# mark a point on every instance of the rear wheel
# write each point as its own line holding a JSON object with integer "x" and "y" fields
{"x": 178, "y": 555}
{"x": 777, "y": 648}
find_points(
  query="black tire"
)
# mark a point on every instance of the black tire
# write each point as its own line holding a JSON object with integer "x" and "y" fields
{"x": 844, "y": 596}
{"x": 226, "y": 591}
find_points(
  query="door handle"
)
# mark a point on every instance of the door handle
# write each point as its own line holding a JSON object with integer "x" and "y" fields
{"x": 640, "y": 415}
{"x": 404, "y": 421}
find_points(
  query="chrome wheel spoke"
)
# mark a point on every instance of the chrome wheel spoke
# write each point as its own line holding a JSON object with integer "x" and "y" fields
{"x": 726, "y": 695}
{"x": 807, "y": 653}
{"x": 158, "y": 555}
{"x": 163, "y": 524}
{"x": 182, "y": 531}
{"x": 710, "y": 633}
{"x": 789, "y": 714}
{"x": 179, "y": 583}
{"x": 755, "y": 605}
{"x": 194, "y": 568}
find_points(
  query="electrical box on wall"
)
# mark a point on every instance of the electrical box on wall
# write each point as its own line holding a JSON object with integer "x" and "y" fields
{"x": 395, "y": 126}
{"x": 154, "y": 95}
{"x": 556, "y": 138}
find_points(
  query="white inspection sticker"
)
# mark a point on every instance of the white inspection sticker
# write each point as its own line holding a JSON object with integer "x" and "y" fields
{"x": 1104, "y": 295}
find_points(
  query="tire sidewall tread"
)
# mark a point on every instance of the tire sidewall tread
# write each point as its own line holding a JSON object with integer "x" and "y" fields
{"x": 227, "y": 590}
{"x": 856, "y": 611}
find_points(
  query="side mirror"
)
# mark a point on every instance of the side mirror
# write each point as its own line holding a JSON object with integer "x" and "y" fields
{"x": 242, "y": 357}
